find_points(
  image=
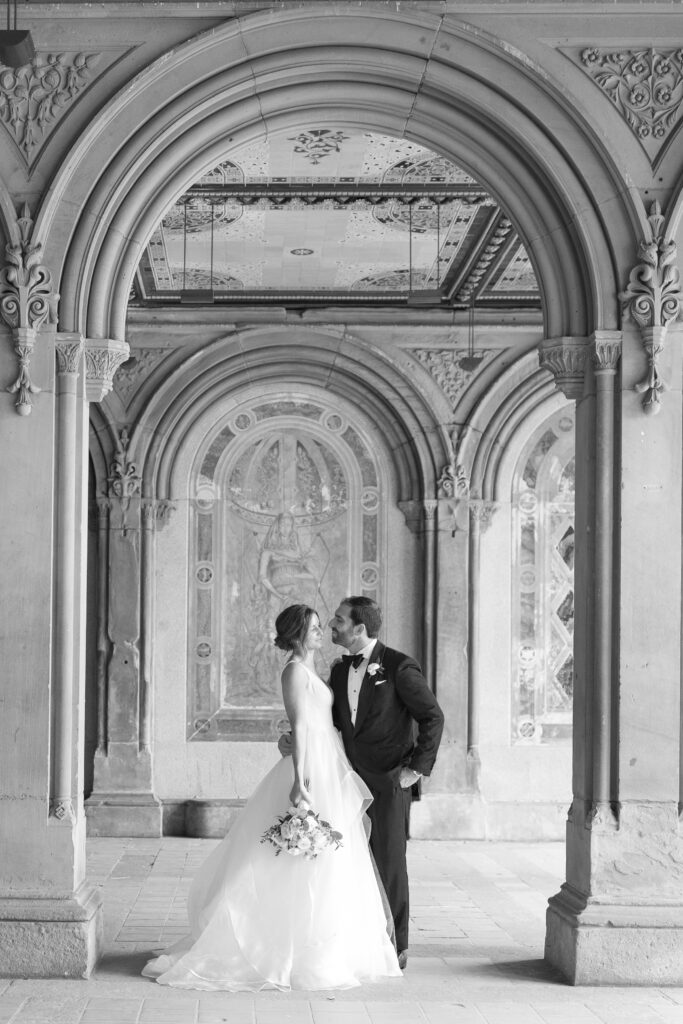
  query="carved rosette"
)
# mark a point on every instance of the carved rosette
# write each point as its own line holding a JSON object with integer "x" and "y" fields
{"x": 566, "y": 360}
{"x": 653, "y": 300}
{"x": 103, "y": 356}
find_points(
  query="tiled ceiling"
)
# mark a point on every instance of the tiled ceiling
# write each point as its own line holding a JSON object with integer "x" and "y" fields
{"x": 332, "y": 215}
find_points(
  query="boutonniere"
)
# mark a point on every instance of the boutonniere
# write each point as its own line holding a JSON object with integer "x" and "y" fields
{"x": 373, "y": 671}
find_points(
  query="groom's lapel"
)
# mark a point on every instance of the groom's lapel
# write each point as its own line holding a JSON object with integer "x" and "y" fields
{"x": 367, "y": 687}
{"x": 340, "y": 689}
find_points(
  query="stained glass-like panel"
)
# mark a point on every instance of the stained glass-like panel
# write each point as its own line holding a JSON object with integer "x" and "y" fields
{"x": 543, "y": 584}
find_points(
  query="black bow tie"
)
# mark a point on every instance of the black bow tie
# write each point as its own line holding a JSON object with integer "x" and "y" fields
{"x": 352, "y": 659}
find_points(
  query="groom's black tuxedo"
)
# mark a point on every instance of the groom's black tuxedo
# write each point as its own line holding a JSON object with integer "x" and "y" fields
{"x": 398, "y": 724}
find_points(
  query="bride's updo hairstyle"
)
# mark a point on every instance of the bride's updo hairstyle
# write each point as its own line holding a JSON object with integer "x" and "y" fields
{"x": 291, "y": 626}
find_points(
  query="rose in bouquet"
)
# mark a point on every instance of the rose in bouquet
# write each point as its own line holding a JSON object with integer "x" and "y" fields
{"x": 302, "y": 833}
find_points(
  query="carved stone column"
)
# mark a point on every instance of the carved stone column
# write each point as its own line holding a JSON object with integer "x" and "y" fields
{"x": 481, "y": 513}
{"x": 619, "y": 916}
{"x": 69, "y": 353}
{"x": 50, "y": 919}
{"x": 122, "y": 801}
{"x": 429, "y": 596}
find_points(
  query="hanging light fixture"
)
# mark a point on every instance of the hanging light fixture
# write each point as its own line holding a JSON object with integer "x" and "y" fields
{"x": 16, "y": 45}
{"x": 470, "y": 361}
{"x": 423, "y": 296}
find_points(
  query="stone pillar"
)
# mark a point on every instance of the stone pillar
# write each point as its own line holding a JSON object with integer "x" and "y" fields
{"x": 446, "y": 805}
{"x": 123, "y": 802}
{"x": 50, "y": 919}
{"x": 480, "y": 513}
{"x": 618, "y": 918}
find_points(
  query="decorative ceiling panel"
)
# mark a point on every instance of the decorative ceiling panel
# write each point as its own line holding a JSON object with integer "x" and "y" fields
{"x": 328, "y": 210}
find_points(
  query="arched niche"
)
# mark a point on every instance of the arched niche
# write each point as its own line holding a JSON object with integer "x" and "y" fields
{"x": 287, "y": 504}
{"x": 227, "y": 562}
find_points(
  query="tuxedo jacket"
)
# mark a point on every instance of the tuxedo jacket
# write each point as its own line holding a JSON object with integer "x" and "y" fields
{"x": 398, "y": 721}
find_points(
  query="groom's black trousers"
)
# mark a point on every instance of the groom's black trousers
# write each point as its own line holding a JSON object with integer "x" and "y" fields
{"x": 389, "y": 815}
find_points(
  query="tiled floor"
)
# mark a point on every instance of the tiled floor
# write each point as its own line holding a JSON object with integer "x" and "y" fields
{"x": 476, "y": 950}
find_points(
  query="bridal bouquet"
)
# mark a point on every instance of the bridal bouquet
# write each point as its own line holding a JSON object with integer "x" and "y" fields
{"x": 302, "y": 832}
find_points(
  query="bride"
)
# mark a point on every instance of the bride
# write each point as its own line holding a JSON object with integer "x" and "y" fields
{"x": 258, "y": 920}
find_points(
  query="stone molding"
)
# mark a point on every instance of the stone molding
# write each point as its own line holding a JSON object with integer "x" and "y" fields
{"x": 34, "y": 97}
{"x": 491, "y": 250}
{"x": 652, "y": 300}
{"x": 566, "y": 360}
{"x": 646, "y": 87}
{"x": 103, "y": 356}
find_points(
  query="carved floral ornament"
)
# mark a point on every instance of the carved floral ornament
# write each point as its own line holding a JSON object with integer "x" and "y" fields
{"x": 33, "y": 97}
{"x": 27, "y": 301}
{"x": 653, "y": 300}
{"x": 646, "y": 86}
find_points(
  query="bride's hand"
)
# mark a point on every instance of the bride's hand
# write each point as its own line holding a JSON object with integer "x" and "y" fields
{"x": 298, "y": 793}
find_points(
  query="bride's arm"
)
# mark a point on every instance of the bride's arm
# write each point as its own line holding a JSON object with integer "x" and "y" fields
{"x": 294, "y": 681}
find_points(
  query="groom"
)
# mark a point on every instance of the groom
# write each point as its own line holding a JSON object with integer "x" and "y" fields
{"x": 391, "y": 727}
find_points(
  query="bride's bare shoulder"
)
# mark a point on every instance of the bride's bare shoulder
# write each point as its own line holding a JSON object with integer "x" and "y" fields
{"x": 293, "y": 672}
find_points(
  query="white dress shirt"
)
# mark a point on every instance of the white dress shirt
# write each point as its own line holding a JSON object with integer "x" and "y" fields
{"x": 356, "y": 677}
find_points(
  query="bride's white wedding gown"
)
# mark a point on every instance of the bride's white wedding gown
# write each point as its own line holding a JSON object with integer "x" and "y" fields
{"x": 258, "y": 920}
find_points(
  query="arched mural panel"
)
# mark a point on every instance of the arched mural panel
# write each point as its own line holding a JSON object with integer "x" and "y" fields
{"x": 543, "y": 584}
{"x": 284, "y": 508}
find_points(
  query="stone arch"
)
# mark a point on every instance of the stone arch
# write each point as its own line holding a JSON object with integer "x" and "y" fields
{"x": 388, "y": 72}
{"x": 364, "y": 378}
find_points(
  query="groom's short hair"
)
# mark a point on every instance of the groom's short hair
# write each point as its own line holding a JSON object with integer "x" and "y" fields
{"x": 365, "y": 611}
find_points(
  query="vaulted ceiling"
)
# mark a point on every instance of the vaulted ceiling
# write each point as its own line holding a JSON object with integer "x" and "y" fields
{"x": 327, "y": 215}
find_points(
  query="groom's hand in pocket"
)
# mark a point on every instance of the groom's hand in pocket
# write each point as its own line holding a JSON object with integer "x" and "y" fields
{"x": 285, "y": 744}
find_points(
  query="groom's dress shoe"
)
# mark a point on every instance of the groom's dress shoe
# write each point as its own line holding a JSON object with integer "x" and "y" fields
{"x": 403, "y": 959}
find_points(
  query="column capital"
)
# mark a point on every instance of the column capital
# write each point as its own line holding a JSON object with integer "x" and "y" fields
{"x": 103, "y": 356}
{"x": 156, "y": 512}
{"x": 565, "y": 357}
{"x": 68, "y": 352}
{"x": 605, "y": 349}
{"x": 482, "y": 512}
